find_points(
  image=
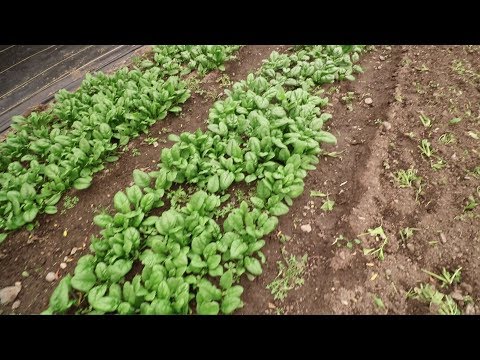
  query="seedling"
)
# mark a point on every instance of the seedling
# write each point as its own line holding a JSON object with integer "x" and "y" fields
{"x": 444, "y": 303}
{"x": 426, "y": 121}
{"x": 379, "y": 235}
{"x": 439, "y": 164}
{"x": 315, "y": 193}
{"x": 289, "y": 277}
{"x": 151, "y": 140}
{"x": 405, "y": 178}
{"x": 327, "y": 205}
{"x": 446, "y": 277}
{"x": 455, "y": 121}
{"x": 348, "y": 99}
{"x": 69, "y": 203}
{"x": 407, "y": 233}
{"x": 378, "y": 302}
{"x": 136, "y": 152}
{"x": 425, "y": 148}
{"x": 447, "y": 138}
{"x": 472, "y": 204}
{"x": 225, "y": 80}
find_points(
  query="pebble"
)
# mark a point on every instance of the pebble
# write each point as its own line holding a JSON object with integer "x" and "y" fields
{"x": 306, "y": 228}
{"x": 456, "y": 296}
{"x": 63, "y": 265}
{"x": 74, "y": 250}
{"x": 51, "y": 276}
{"x": 344, "y": 302}
{"x": 467, "y": 287}
{"x": 454, "y": 157}
{"x": 443, "y": 237}
{"x": 388, "y": 272}
{"x": 470, "y": 309}
{"x": 10, "y": 293}
{"x": 381, "y": 58}
{"x": 410, "y": 247}
{"x": 368, "y": 101}
{"x": 16, "y": 305}
{"x": 271, "y": 306}
{"x": 387, "y": 126}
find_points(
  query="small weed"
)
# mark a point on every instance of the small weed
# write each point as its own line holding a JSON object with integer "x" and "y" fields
{"x": 455, "y": 121}
{"x": 406, "y": 178}
{"x": 425, "y": 148}
{"x": 283, "y": 237}
{"x": 378, "y": 302}
{"x": 342, "y": 241}
{"x": 225, "y": 80}
{"x": 348, "y": 99}
{"x": 471, "y": 204}
{"x": 407, "y": 233}
{"x": 69, "y": 203}
{"x": 315, "y": 193}
{"x": 439, "y": 164}
{"x": 379, "y": 234}
{"x": 446, "y": 277}
{"x": 289, "y": 277}
{"x": 423, "y": 68}
{"x": 136, "y": 152}
{"x": 223, "y": 211}
{"x": 177, "y": 197}
{"x": 327, "y": 205}
{"x": 426, "y": 121}
{"x": 150, "y": 140}
{"x": 447, "y": 138}
{"x": 444, "y": 304}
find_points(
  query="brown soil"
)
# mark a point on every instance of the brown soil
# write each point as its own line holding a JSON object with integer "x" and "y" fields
{"x": 338, "y": 280}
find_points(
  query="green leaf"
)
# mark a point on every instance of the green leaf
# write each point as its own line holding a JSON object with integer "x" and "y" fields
{"x": 3, "y": 237}
{"x": 27, "y": 191}
{"x": 105, "y": 304}
{"x": 198, "y": 199}
{"x": 226, "y": 280}
{"x": 30, "y": 215}
{"x": 213, "y": 184}
{"x": 84, "y": 281}
{"x": 121, "y": 203}
{"x": 147, "y": 202}
{"x": 208, "y": 308}
{"x": 50, "y": 210}
{"x": 119, "y": 269}
{"x": 60, "y": 301}
{"x": 103, "y": 220}
{"x": 52, "y": 171}
{"x": 257, "y": 202}
{"x": 226, "y": 179}
{"x": 237, "y": 249}
{"x": 269, "y": 225}
{"x": 82, "y": 183}
{"x": 253, "y": 266}
{"x": 279, "y": 209}
{"x": 230, "y": 304}
{"x": 326, "y": 137}
{"x": 134, "y": 194}
{"x": 213, "y": 261}
{"x": 141, "y": 178}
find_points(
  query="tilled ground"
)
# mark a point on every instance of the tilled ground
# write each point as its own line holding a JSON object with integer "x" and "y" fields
{"x": 376, "y": 122}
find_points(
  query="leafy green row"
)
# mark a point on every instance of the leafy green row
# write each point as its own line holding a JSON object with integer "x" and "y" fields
{"x": 64, "y": 146}
{"x": 262, "y": 132}
{"x": 182, "y": 59}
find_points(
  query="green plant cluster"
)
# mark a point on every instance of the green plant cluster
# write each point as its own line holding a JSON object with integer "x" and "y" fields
{"x": 263, "y": 133}
{"x": 49, "y": 152}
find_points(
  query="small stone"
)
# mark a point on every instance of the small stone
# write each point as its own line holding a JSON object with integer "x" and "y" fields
{"x": 74, "y": 250}
{"x": 51, "y": 276}
{"x": 443, "y": 237}
{"x": 16, "y": 305}
{"x": 344, "y": 302}
{"x": 456, "y": 296}
{"x": 467, "y": 287}
{"x": 271, "y": 306}
{"x": 306, "y": 228}
{"x": 387, "y": 126}
{"x": 454, "y": 157}
{"x": 381, "y": 58}
{"x": 410, "y": 247}
{"x": 388, "y": 272}
{"x": 63, "y": 265}
{"x": 10, "y": 293}
{"x": 470, "y": 309}
{"x": 368, "y": 101}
